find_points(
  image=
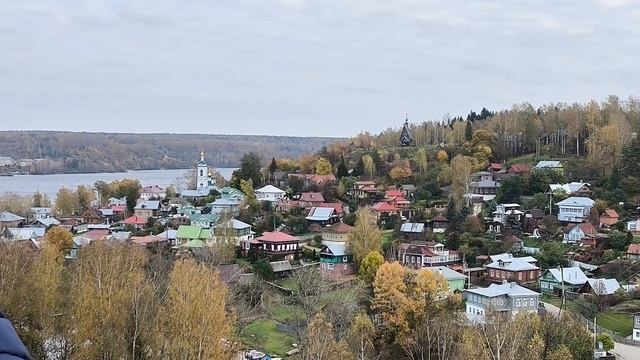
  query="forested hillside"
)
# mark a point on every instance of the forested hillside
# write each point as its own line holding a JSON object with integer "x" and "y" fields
{"x": 93, "y": 152}
{"x": 595, "y": 132}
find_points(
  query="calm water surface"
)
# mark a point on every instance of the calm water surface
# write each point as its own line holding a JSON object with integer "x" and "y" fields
{"x": 49, "y": 184}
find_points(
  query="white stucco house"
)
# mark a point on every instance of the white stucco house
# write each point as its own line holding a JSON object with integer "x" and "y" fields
{"x": 270, "y": 193}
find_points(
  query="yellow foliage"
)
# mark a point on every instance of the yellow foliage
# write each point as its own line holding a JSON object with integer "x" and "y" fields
{"x": 60, "y": 238}
{"x": 366, "y": 236}
{"x": 194, "y": 320}
{"x": 442, "y": 156}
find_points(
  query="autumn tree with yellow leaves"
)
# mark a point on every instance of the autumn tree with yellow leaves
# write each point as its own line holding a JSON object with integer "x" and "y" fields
{"x": 365, "y": 237}
{"x": 193, "y": 319}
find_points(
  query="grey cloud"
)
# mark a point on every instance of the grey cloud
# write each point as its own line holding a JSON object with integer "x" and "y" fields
{"x": 302, "y": 67}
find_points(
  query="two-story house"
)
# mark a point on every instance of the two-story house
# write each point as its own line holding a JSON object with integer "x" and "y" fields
{"x": 192, "y": 236}
{"x": 205, "y": 221}
{"x": 241, "y": 231}
{"x": 270, "y": 193}
{"x": 484, "y": 184}
{"x": 503, "y": 211}
{"x": 505, "y": 267}
{"x": 574, "y": 209}
{"x": 501, "y": 216}
{"x": 569, "y": 279}
{"x": 412, "y": 231}
{"x": 419, "y": 254}
{"x": 578, "y": 233}
{"x": 322, "y": 216}
{"x": 336, "y": 260}
{"x": 337, "y": 233}
{"x": 507, "y": 297}
{"x": 439, "y": 224}
{"x": 609, "y": 218}
{"x": 91, "y": 215}
{"x": 310, "y": 199}
{"x": 633, "y": 252}
{"x": 225, "y": 206}
{"x": 146, "y": 209}
{"x": 364, "y": 189}
{"x": 41, "y": 213}
{"x": 153, "y": 192}
{"x": 276, "y": 246}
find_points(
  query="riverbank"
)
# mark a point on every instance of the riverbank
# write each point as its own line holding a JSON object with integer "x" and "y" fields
{"x": 49, "y": 185}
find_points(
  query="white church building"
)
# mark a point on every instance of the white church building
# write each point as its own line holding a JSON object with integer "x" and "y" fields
{"x": 204, "y": 180}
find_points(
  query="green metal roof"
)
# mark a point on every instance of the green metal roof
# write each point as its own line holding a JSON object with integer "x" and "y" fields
{"x": 194, "y": 244}
{"x": 192, "y": 232}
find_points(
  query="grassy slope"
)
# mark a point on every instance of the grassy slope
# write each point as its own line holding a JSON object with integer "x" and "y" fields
{"x": 616, "y": 322}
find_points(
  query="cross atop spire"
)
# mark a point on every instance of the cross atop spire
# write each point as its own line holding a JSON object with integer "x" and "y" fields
{"x": 405, "y": 136}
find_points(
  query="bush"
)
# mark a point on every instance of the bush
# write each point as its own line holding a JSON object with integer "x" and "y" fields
{"x": 606, "y": 340}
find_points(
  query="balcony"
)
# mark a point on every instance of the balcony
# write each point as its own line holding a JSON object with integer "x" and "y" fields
{"x": 442, "y": 259}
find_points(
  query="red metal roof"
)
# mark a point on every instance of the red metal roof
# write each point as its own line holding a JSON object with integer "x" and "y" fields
{"x": 134, "y": 220}
{"x": 96, "y": 234}
{"x": 338, "y": 228}
{"x": 611, "y": 213}
{"x": 277, "y": 236}
{"x": 519, "y": 168}
{"x": 312, "y": 197}
{"x": 495, "y": 166}
{"x": 393, "y": 193}
{"x": 384, "y": 207}
{"x": 338, "y": 207}
{"x": 634, "y": 249}
{"x": 146, "y": 240}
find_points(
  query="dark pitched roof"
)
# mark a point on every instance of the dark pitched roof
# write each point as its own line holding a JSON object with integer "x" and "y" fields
{"x": 536, "y": 213}
{"x": 338, "y": 228}
{"x": 519, "y": 168}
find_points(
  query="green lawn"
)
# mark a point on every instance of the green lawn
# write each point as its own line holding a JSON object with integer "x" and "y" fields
{"x": 284, "y": 313}
{"x": 531, "y": 242}
{"x": 263, "y": 335}
{"x": 622, "y": 324}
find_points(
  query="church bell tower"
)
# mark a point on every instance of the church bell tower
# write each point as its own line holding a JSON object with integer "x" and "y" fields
{"x": 202, "y": 177}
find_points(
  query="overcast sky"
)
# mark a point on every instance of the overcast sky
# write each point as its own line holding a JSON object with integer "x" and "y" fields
{"x": 297, "y": 67}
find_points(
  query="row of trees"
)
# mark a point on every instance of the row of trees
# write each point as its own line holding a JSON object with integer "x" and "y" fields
{"x": 115, "y": 301}
{"x": 95, "y": 152}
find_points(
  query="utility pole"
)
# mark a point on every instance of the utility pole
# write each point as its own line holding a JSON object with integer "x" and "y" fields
{"x": 595, "y": 332}
{"x": 563, "y": 292}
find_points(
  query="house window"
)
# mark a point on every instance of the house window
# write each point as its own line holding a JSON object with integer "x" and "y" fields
{"x": 519, "y": 276}
{"x": 330, "y": 266}
{"x": 531, "y": 302}
{"x": 344, "y": 259}
{"x": 517, "y": 302}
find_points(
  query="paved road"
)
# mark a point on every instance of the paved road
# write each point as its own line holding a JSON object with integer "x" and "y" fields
{"x": 623, "y": 351}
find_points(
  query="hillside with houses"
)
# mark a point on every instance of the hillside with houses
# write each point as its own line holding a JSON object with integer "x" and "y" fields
{"x": 514, "y": 232}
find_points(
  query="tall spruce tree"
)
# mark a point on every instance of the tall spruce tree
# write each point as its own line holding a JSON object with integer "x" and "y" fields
{"x": 342, "y": 169}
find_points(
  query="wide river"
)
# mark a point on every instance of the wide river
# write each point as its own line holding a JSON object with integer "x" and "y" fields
{"x": 49, "y": 184}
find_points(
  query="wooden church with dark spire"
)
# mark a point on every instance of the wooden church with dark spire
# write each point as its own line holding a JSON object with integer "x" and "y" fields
{"x": 405, "y": 136}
